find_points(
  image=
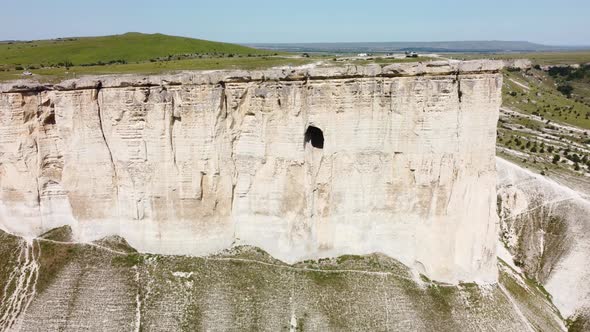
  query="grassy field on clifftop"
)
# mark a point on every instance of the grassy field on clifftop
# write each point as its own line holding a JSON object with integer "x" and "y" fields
{"x": 541, "y": 58}
{"x": 126, "y": 48}
{"x": 58, "y": 59}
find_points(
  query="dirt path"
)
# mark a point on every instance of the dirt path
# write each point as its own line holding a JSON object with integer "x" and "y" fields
{"x": 526, "y": 87}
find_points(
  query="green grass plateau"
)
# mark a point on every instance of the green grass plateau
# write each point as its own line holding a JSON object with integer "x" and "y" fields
{"x": 136, "y": 53}
{"x": 541, "y": 58}
{"x": 65, "y": 58}
{"x": 129, "y": 47}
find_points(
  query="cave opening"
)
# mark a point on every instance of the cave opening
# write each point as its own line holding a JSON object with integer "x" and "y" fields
{"x": 315, "y": 136}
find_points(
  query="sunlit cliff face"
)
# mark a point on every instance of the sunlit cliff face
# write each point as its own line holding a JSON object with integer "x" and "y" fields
{"x": 304, "y": 163}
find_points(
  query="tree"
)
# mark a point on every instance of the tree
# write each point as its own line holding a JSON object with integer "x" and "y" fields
{"x": 565, "y": 89}
{"x": 556, "y": 158}
{"x": 574, "y": 157}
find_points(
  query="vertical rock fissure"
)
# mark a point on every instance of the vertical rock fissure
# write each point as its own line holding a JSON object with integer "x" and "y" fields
{"x": 459, "y": 97}
{"x": 459, "y": 92}
{"x": 223, "y": 99}
{"x": 200, "y": 197}
{"x": 39, "y": 170}
{"x": 37, "y": 176}
{"x": 173, "y": 119}
{"x": 106, "y": 143}
{"x": 224, "y": 111}
{"x": 39, "y": 162}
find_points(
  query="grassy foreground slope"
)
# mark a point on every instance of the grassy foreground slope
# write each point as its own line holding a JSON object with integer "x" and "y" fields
{"x": 129, "y": 47}
{"x": 58, "y": 285}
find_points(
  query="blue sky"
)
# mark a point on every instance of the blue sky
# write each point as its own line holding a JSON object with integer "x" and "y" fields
{"x": 560, "y": 22}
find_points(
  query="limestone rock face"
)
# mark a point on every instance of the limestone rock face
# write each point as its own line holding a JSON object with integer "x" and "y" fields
{"x": 197, "y": 162}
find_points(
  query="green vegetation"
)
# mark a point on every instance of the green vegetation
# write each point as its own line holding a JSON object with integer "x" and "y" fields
{"x": 579, "y": 323}
{"x": 533, "y": 130}
{"x": 529, "y": 295}
{"x": 53, "y": 259}
{"x": 127, "y": 48}
{"x": 386, "y": 61}
{"x": 55, "y": 60}
{"x": 116, "y": 243}
{"x": 541, "y": 58}
{"x": 248, "y": 63}
{"x": 9, "y": 251}
{"x": 542, "y": 97}
{"x": 128, "y": 260}
{"x": 327, "y": 279}
{"x": 59, "y": 59}
{"x": 62, "y": 234}
{"x": 242, "y": 290}
{"x": 573, "y": 82}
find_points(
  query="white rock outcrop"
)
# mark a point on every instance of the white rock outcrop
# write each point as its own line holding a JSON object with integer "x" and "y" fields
{"x": 197, "y": 162}
{"x": 546, "y": 226}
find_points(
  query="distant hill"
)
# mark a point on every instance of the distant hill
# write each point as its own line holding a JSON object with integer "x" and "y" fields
{"x": 441, "y": 47}
{"x": 129, "y": 47}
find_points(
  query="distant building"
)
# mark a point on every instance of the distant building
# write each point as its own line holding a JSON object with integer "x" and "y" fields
{"x": 362, "y": 54}
{"x": 27, "y": 73}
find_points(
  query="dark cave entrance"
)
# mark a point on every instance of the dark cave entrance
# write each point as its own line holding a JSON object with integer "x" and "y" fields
{"x": 315, "y": 136}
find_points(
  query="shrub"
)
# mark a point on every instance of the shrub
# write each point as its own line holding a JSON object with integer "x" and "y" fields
{"x": 575, "y": 158}
{"x": 560, "y": 71}
{"x": 565, "y": 89}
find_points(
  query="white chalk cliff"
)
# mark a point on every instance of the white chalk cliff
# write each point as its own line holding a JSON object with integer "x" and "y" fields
{"x": 304, "y": 163}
